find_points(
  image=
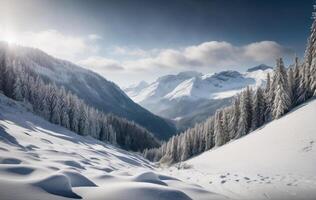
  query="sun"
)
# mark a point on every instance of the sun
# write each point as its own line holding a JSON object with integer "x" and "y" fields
{"x": 9, "y": 38}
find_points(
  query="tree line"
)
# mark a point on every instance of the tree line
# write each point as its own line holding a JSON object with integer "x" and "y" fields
{"x": 63, "y": 108}
{"x": 285, "y": 89}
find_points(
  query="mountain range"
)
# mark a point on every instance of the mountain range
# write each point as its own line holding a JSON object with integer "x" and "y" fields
{"x": 189, "y": 97}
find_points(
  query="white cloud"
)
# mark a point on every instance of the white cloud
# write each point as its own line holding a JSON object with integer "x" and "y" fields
{"x": 98, "y": 64}
{"x": 265, "y": 50}
{"x": 211, "y": 55}
{"x": 207, "y": 56}
{"x": 53, "y": 42}
{"x": 130, "y": 52}
{"x": 94, "y": 37}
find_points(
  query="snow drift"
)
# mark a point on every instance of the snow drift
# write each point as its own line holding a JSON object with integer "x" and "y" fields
{"x": 39, "y": 160}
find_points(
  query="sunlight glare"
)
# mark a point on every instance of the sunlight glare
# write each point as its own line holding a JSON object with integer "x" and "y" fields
{"x": 10, "y": 38}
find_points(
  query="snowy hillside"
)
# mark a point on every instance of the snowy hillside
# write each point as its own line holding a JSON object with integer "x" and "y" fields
{"x": 186, "y": 96}
{"x": 275, "y": 162}
{"x": 95, "y": 90}
{"x": 39, "y": 160}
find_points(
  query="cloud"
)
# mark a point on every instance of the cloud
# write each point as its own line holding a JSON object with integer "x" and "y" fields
{"x": 60, "y": 45}
{"x": 213, "y": 54}
{"x": 94, "y": 37}
{"x": 207, "y": 56}
{"x": 98, "y": 64}
{"x": 265, "y": 50}
{"x": 130, "y": 52}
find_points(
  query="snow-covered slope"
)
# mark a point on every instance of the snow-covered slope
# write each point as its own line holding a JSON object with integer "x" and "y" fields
{"x": 187, "y": 96}
{"x": 89, "y": 86}
{"x": 39, "y": 160}
{"x": 275, "y": 162}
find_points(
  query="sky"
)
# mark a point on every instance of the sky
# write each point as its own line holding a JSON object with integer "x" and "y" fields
{"x": 129, "y": 41}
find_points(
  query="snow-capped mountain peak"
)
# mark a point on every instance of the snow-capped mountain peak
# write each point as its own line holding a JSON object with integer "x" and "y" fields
{"x": 194, "y": 85}
{"x": 189, "y": 94}
{"x": 259, "y": 67}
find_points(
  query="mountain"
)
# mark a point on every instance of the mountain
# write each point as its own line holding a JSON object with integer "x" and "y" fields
{"x": 190, "y": 97}
{"x": 276, "y": 161}
{"x": 87, "y": 85}
{"x": 259, "y": 67}
{"x": 40, "y": 160}
{"x": 136, "y": 88}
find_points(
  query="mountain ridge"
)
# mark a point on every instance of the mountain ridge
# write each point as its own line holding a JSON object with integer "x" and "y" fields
{"x": 189, "y": 97}
{"x": 95, "y": 90}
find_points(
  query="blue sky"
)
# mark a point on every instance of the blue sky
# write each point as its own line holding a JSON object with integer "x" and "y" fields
{"x": 129, "y": 41}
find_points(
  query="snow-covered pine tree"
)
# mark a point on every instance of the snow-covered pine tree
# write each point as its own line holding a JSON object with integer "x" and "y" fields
{"x": 290, "y": 80}
{"x": 310, "y": 62}
{"x": 174, "y": 145}
{"x": 63, "y": 108}
{"x": 51, "y": 103}
{"x": 245, "y": 119}
{"x": 17, "y": 88}
{"x": 185, "y": 149}
{"x": 313, "y": 77}
{"x": 209, "y": 133}
{"x": 296, "y": 82}
{"x": 258, "y": 110}
{"x": 282, "y": 101}
{"x": 220, "y": 135}
{"x": 73, "y": 112}
{"x": 233, "y": 129}
{"x": 302, "y": 94}
{"x": 268, "y": 99}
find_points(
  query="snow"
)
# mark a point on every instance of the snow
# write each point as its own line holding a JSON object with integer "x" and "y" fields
{"x": 275, "y": 162}
{"x": 170, "y": 96}
{"x": 194, "y": 86}
{"x": 183, "y": 89}
{"x": 39, "y": 160}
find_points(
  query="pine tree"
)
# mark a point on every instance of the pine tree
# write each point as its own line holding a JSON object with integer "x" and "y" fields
{"x": 291, "y": 82}
{"x": 313, "y": 77}
{"x": 17, "y": 89}
{"x": 296, "y": 82}
{"x": 268, "y": 97}
{"x": 220, "y": 135}
{"x": 259, "y": 108}
{"x": 209, "y": 132}
{"x": 302, "y": 94}
{"x": 51, "y": 102}
{"x": 233, "y": 129}
{"x": 63, "y": 108}
{"x": 245, "y": 120}
{"x": 184, "y": 143}
{"x": 282, "y": 101}
{"x": 310, "y": 62}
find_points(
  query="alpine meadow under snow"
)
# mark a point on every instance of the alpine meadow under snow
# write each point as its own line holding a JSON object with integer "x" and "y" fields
{"x": 68, "y": 133}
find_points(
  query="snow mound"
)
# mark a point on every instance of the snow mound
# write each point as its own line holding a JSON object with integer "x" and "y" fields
{"x": 78, "y": 180}
{"x": 39, "y": 160}
{"x": 57, "y": 184}
{"x": 149, "y": 177}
